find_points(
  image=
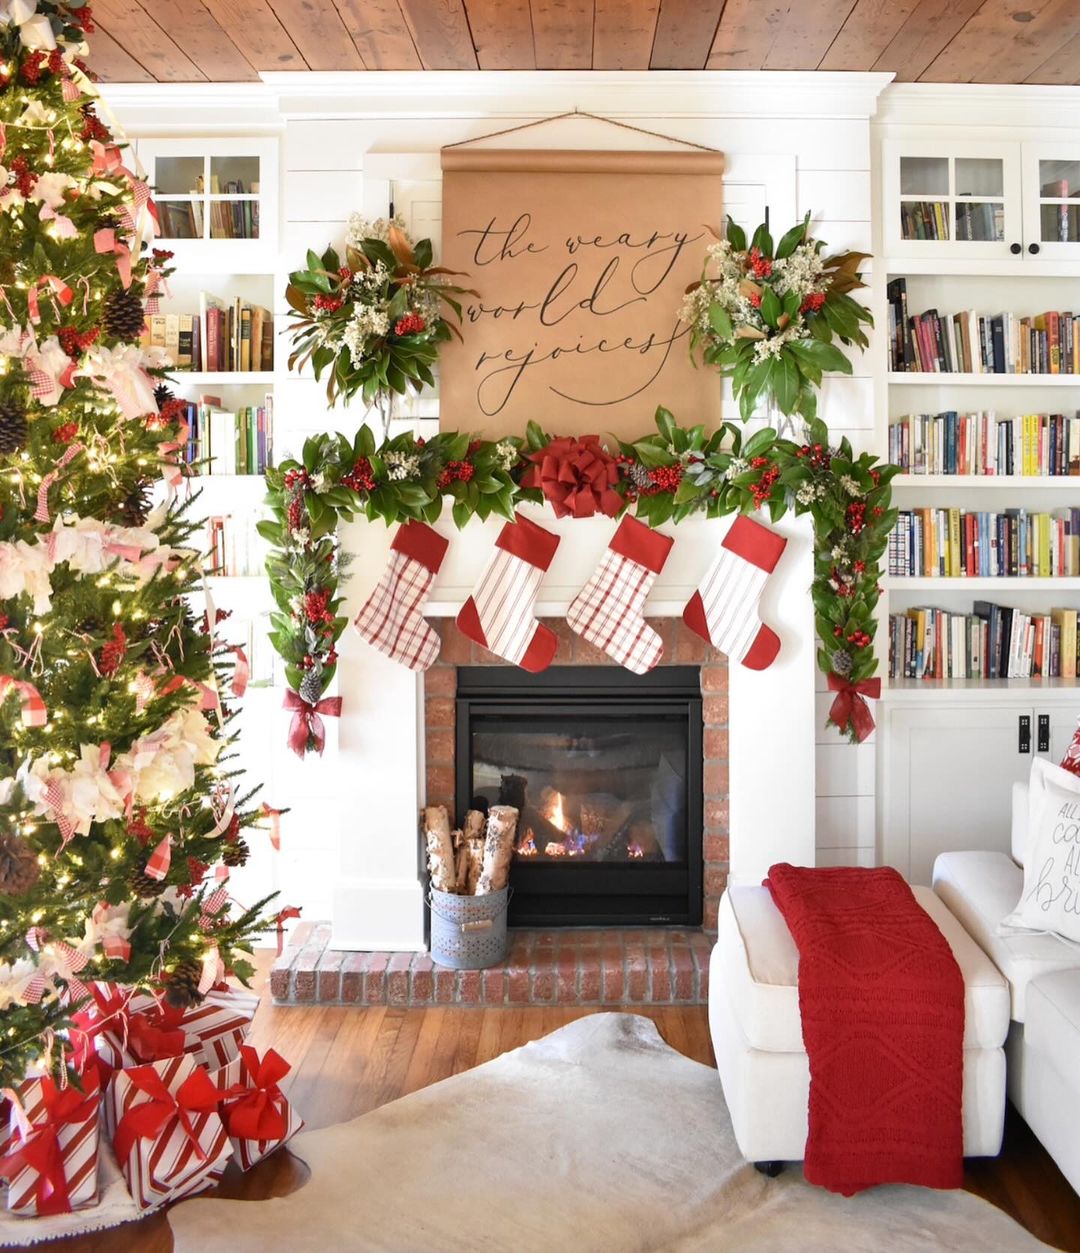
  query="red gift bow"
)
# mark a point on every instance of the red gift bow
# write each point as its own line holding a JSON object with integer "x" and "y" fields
{"x": 41, "y": 1151}
{"x": 256, "y": 1110}
{"x": 306, "y": 721}
{"x": 849, "y": 708}
{"x": 153, "y": 1038}
{"x": 196, "y": 1095}
{"x": 577, "y": 477}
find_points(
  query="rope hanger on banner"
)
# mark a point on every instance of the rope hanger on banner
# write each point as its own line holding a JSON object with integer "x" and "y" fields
{"x": 592, "y": 117}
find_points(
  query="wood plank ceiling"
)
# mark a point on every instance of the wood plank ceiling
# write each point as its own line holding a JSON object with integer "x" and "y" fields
{"x": 955, "y": 41}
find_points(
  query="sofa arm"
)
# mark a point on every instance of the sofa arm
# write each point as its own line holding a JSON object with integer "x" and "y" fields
{"x": 1019, "y": 821}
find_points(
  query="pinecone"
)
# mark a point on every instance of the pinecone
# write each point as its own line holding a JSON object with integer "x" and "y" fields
{"x": 236, "y": 852}
{"x": 19, "y": 868}
{"x": 12, "y": 427}
{"x": 311, "y": 687}
{"x": 136, "y": 505}
{"x": 841, "y": 662}
{"x": 182, "y": 984}
{"x": 143, "y": 885}
{"x": 639, "y": 476}
{"x": 163, "y": 393}
{"x": 124, "y": 315}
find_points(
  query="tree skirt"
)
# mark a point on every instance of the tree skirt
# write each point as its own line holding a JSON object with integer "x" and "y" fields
{"x": 598, "y": 1137}
{"x": 114, "y": 1207}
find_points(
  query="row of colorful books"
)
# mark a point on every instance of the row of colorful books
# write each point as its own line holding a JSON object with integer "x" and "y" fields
{"x": 225, "y": 441}
{"x": 229, "y": 219}
{"x": 992, "y": 642}
{"x": 974, "y": 343}
{"x": 929, "y": 219}
{"x": 235, "y": 547}
{"x": 236, "y": 336}
{"x": 953, "y": 543}
{"x": 1034, "y": 444}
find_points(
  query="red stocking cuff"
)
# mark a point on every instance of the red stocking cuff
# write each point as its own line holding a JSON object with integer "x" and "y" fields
{"x": 418, "y": 541}
{"x": 524, "y": 539}
{"x": 755, "y": 543}
{"x": 637, "y": 542}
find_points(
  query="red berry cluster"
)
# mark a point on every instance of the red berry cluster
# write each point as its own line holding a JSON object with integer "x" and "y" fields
{"x": 818, "y": 455}
{"x": 295, "y": 513}
{"x": 361, "y": 478}
{"x": 859, "y": 639}
{"x": 813, "y": 302}
{"x": 93, "y": 127}
{"x": 32, "y": 67}
{"x": 161, "y": 255}
{"x": 755, "y": 299}
{"x": 84, "y": 17}
{"x": 138, "y": 828}
{"x": 663, "y": 479}
{"x": 328, "y": 304}
{"x": 66, "y": 433}
{"x": 762, "y": 489}
{"x": 760, "y": 266}
{"x": 196, "y": 870}
{"x": 455, "y": 472}
{"x": 294, "y": 477}
{"x": 410, "y": 324}
{"x": 4, "y": 619}
{"x": 25, "y": 178}
{"x": 75, "y": 342}
{"x": 113, "y": 652}
{"x": 856, "y": 516}
{"x": 315, "y": 605}
{"x": 843, "y": 589}
{"x": 345, "y": 274}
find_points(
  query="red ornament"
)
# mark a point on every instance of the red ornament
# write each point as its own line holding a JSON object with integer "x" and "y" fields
{"x": 113, "y": 652}
{"x": 577, "y": 476}
{"x": 66, "y": 433}
{"x": 410, "y": 324}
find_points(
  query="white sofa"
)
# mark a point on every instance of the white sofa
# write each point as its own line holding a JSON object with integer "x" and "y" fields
{"x": 1043, "y": 973}
{"x": 756, "y": 1029}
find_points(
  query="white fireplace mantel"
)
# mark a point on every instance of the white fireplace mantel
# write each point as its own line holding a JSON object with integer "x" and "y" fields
{"x": 378, "y": 900}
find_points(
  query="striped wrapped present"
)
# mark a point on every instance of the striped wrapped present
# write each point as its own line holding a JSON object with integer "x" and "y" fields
{"x": 256, "y": 1113}
{"x": 163, "y": 1120}
{"x": 50, "y": 1155}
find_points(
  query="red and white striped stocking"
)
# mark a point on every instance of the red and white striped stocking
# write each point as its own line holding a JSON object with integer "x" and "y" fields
{"x": 392, "y": 619}
{"x": 609, "y": 611}
{"x": 724, "y": 609}
{"x": 499, "y": 615}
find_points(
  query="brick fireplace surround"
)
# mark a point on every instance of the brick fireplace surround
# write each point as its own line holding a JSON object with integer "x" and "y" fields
{"x": 565, "y": 966}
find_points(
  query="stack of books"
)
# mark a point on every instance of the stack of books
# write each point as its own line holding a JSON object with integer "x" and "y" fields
{"x": 1034, "y": 444}
{"x": 225, "y": 441}
{"x": 229, "y": 219}
{"x": 236, "y": 336}
{"x": 235, "y": 547}
{"x": 976, "y": 343}
{"x": 954, "y": 543}
{"x": 929, "y": 219}
{"x": 992, "y": 642}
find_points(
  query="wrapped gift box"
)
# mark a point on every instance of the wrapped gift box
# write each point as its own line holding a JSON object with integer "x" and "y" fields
{"x": 257, "y": 1115}
{"x": 165, "y": 1128}
{"x": 52, "y": 1164}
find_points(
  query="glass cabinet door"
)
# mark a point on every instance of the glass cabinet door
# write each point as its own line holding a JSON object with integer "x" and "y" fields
{"x": 1052, "y": 201}
{"x": 954, "y": 200}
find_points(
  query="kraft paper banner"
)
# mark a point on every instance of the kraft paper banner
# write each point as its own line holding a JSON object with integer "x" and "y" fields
{"x": 581, "y": 259}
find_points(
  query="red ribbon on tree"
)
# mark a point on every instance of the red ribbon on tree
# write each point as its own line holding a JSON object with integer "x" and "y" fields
{"x": 257, "y": 1111}
{"x": 850, "y": 709}
{"x": 196, "y": 1095}
{"x": 40, "y": 1149}
{"x": 577, "y": 477}
{"x": 307, "y": 723}
{"x": 283, "y": 916}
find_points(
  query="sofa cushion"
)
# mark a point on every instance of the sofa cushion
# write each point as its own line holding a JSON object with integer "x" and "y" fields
{"x": 981, "y": 889}
{"x": 760, "y": 969}
{"x": 1053, "y": 1019}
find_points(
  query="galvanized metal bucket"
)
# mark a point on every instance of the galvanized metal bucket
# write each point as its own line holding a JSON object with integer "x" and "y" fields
{"x": 468, "y": 932}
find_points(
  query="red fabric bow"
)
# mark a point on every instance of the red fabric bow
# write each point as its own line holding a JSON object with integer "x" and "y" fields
{"x": 256, "y": 1110}
{"x": 41, "y": 1151}
{"x": 153, "y": 1036}
{"x": 850, "y": 710}
{"x": 306, "y": 721}
{"x": 196, "y": 1095}
{"x": 577, "y": 477}
{"x": 290, "y": 911}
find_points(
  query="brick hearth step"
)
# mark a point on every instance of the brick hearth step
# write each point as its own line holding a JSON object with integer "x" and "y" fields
{"x": 587, "y": 966}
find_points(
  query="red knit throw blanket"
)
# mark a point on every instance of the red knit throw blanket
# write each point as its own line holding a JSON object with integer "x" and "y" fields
{"x": 882, "y": 1004}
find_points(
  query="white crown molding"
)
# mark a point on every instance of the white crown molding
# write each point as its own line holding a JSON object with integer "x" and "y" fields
{"x": 193, "y": 108}
{"x": 980, "y": 104}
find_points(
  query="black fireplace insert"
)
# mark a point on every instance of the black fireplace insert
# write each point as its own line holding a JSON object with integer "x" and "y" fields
{"x": 605, "y": 768}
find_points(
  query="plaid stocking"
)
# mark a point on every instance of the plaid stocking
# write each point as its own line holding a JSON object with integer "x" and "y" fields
{"x": 499, "y": 613}
{"x": 609, "y": 611}
{"x": 724, "y": 610}
{"x": 392, "y": 618}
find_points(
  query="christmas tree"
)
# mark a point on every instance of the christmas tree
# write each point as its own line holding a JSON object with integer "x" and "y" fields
{"x": 116, "y": 799}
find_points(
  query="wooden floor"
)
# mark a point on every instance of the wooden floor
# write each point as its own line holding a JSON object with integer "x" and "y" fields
{"x": 347, "y": 1061}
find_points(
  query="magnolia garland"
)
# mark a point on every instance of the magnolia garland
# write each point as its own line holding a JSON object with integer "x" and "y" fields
{"x": 670, "y": 474}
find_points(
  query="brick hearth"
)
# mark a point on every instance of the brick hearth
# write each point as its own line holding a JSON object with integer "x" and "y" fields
{"x": 588, "y": 966}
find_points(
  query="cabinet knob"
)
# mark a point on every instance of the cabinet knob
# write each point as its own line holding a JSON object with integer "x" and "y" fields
{"x": 1033, "y": 248}
{"x": 1015, "y": 249}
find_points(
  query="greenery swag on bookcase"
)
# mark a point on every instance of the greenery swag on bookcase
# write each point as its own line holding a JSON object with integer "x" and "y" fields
{"x": 667, "y": 475}
{"x": 116, "y": 797}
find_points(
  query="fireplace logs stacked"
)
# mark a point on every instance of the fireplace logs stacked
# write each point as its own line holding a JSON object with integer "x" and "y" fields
{"x": 473, "y": 860}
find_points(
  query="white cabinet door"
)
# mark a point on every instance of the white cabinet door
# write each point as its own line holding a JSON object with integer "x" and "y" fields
{"x": 947, "y": 782}
{"x": 1062, "y": 727}
{"x": 1051, "y": 180}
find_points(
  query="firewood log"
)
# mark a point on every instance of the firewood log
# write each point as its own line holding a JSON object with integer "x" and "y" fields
{"x": 440, "y": 848}
{"x": 473, "y": 825}
{"x": 475, "y": 864}
{"x": 498, "y": 849}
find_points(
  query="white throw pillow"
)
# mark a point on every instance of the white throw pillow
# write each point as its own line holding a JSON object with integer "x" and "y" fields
{"x": 1050, "y": 900}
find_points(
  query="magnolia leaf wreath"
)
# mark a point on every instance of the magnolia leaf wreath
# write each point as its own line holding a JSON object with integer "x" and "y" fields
{"x": 669, "y": 474}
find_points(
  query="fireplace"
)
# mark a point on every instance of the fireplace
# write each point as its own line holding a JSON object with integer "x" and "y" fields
{"x": 605, "y": 768}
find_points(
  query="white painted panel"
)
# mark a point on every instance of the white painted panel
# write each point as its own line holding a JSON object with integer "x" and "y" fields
{"x": 323, "y": 144}
{"x": 845, "y": 770}
{"x": 845, "y": 822}
{"x": 322, "y": 195}
{"x": 832, "y": 193}
{"x": 846, "y": 857}
{"x": 299, "y": 236}
{"x": 847, "y": 236}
